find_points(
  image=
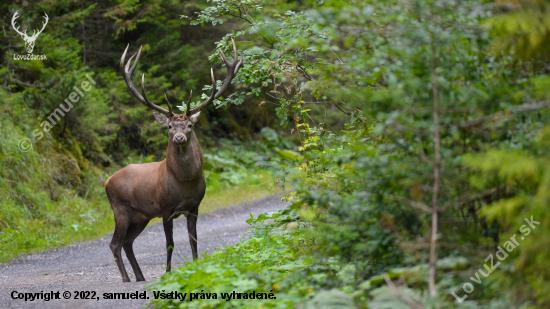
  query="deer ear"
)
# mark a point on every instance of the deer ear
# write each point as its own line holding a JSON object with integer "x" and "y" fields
{"x": 163, "y": 120}
{"x": 195, "y": 117}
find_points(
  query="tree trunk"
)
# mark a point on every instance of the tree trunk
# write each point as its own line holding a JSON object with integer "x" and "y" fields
{"x": 432, "y": 270}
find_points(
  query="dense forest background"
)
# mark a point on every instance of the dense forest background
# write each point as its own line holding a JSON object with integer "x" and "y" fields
{"x": 414, "y": 136}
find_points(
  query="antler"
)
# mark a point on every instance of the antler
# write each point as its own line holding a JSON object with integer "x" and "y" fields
{"x": 34, "y": 34}
{"x": 15, "y": 16}
{"x": 232, "y": 68}
{"x": 127, "y": 75}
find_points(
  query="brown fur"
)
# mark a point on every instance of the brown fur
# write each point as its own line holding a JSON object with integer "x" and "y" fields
{"x": 179, "y": 117}
{"x": 166, "y": 189}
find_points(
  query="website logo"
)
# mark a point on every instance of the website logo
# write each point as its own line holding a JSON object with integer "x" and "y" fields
{"x": 29, "y": 40}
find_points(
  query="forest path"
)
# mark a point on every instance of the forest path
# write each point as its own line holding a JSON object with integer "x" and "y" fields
{"x": 90, "y": 266}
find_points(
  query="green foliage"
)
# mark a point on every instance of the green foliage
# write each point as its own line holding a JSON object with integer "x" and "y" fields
{"x": 253, "y": 265}
{"x": 525, "y": 175}
{"x": 525, "y": 31}
{"x": 48, "y": 200}
{"x": 443, "y": 118}
{"x": 270, "y": 261}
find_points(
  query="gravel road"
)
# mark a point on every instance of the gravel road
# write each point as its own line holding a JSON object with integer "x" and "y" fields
{"x": 90, "y": 266}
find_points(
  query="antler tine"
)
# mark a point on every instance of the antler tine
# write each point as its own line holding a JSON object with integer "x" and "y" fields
{"x": 235, "y": 56}
{"x": 188, "y": 104}
{"x": 213, "y": 84}
{"x": 122, "y": 61}
{"x": 167, "y": 103}
{"x": 224, "y": 58}
{"x": 238, "y": 66}
{"x": 127, "y": 66}
{"x": 127, "y": 75}
{"x": 131, "y": 71}
{"x": 123, "y": 58}
{"x": 143, "y": 88}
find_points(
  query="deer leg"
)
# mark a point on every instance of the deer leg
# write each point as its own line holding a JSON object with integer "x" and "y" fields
{"x": 192, "y": 231}
{"x": 136, "y": 227}
{"x": 168, "y": 228}
{"x": 122, "y": 222}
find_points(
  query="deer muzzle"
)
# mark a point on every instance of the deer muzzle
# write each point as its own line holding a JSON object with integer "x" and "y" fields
{"x": 180, "y": 138}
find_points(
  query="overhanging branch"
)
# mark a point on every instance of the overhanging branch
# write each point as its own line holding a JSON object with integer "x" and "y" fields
{"x": 344, "y": 108}
{"x": 411, "y": 203}
{"x": 501, "y": 115}
{"x": 464, "y": 199}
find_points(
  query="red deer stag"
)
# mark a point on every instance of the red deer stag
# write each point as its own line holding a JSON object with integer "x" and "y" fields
{"x": 167, "y": 189}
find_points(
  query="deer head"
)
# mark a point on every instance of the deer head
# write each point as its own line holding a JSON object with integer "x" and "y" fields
{"x": 179, "y": 125}
{"x": 29, "y": 40}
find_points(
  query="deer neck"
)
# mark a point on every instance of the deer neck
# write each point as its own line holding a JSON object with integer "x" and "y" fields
{"x": 185, "y": 161}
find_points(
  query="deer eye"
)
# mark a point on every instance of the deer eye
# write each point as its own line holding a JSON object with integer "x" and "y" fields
{"x": 190, "y": 125}
{"x": 169, "y": 126}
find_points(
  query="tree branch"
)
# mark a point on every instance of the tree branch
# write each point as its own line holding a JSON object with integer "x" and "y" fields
{"x": 501, "y": 115}
{"x": 465, "y": 198}
{"x": 348, "y": 110}
{"x": 404, "y": 147}
{"x": 25, "y": 84}
{"x": 412, "y": 203}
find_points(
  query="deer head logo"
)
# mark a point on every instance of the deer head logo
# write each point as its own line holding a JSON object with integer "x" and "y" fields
{"x": 29, "y": 40}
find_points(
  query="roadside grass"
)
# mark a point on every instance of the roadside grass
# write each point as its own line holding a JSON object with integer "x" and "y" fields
{"x": 65, "y": 220}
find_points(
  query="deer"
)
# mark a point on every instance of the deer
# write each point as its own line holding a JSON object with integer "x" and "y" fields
{"x": 29, "y": 40}
{"x": 166, "y": 189}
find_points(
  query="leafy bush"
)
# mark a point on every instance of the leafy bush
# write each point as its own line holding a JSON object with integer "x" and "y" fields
{"x": 270, "y": 261}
